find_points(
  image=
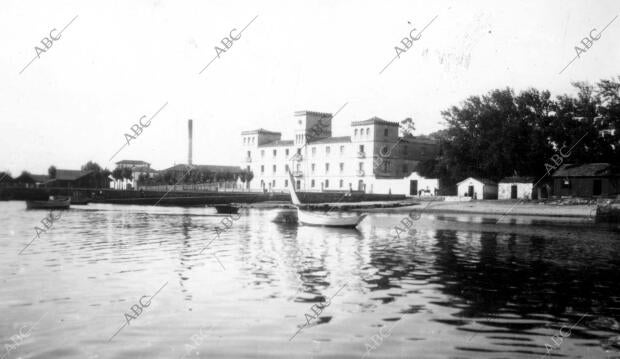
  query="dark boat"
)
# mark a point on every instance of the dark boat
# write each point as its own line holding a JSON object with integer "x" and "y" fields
{"x": 226, "y": 209}
{"x": 50, "y": 204}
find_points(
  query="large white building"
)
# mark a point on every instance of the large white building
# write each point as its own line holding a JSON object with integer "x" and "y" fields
{"x": 369, "y": 159}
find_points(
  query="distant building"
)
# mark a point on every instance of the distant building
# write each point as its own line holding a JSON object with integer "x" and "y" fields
{"x": 30, "y": 180}
{"x": 132, "y": 164}
{"x": 73, "y": 178}
{"x": 517, "y": 188}
{"x": 587, "y": 180}
{"x": 137, "y": 168}
{"x": 477, "y": 188}
{"x": 369, "y": 159}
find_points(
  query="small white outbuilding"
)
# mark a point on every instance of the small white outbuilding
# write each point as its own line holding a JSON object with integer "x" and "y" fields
{"x": 477, "y": 188}
{"x": 517, "y": 188}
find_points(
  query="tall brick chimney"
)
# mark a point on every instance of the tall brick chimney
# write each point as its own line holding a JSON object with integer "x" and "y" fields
{"x": 189, "y": 133}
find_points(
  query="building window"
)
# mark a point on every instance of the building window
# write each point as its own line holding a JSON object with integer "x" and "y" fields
{"x": 262, "y": 169}
{"x": 312, "y": 183}
{"x": 361, "y": 166}
{"x": 565, "y": 183}
{"x": 326, "y": 183}
{"x": 326, "y": 167}
{"x": 341, "y": 183}
{"x": 262, "y": 153}
{"x": 341, "y": 150}
{"x": 298, "y": 184}
{"x": 244, "y": 140}
{"x": 275, "y": 152}
{"x": 355, "y": 133}
{"x": 385, "y": 132}
{"x": 327, "y": 150}
{"x": 252, "y": 139}
{"x": 286, "y": 152}
{"x": 286, "y": 168}
{"x": 299, "y": 151}
{"x": 313, "y": 151}
{"x": 274, "y": 168}
{"x": 285, "y": 183}
{"x": 367, "y": 132}
{"x": 341, "y": 167}
{"x": 386, "y": 166}
{"x": 361, "y": 148}
{"x": 249, "y": 154}
{"x": 312, "y": 166}
{"x": 274, "y": 183}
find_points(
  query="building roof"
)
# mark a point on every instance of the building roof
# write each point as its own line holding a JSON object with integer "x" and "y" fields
{"x": 374, "y": 121}
{"x": 517, "y": 179}
{"x": 278, "y": 143}
{"x": 304, "y": 113}
{"x": 40, "y": 178}
{"x": 428, "y": 141}
{"x": 340, "y": 139}
{"x": 204, "y": 168}
{"x": 585, "y": 170}
{"x": 260, "y": 130}
{"x": 133, "y": 162}
{"x": 481, "y": 180}
{"x": 70, "y": 175}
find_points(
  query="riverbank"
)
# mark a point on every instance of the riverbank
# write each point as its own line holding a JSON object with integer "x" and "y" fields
{"x": 510, "y": 207}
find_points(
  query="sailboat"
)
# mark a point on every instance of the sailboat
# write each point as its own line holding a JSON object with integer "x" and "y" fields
{"x": 321, "y": 218}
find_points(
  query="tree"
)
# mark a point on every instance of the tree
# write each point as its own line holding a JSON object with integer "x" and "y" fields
{"x": 407, "y": 127}
{"x": 127, "y": 173}
{"x": 500, "y": 133}
{"x": 52, "y": 172}
{"x": 91, "y": 166}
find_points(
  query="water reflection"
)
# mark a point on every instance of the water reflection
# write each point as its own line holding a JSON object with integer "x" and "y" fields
{"x": 456, "y": 288}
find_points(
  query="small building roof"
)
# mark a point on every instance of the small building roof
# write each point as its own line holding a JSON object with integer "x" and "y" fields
{"x": 428, "y": 141}
{"x": 133, "y": 162}
{"x": 585, "y": 170}
{"x": 481, "y": 180}
{"x": 70, "y": 175}
{"x": 517, "y": 179}
{"x": 40, "y": 178}
{"x": 340, "y": 139}
{"x": 374, "y": 121}
{"x": 260, "y": 130}
{"x": 278, "y": 143}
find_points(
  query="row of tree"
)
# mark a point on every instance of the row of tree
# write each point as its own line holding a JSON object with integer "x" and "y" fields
{"x": 503, "y": 134}
{"x": 194, "y": 176}
{"x": 101, "y": 176}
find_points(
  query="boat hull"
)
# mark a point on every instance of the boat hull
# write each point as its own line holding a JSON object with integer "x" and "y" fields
{"x": 226, "y": 209}
{"x": 54, "y": 204}
{"x": 333, "y": 219}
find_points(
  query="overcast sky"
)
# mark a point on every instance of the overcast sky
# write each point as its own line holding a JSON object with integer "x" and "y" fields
{"x": 120, "y": 60}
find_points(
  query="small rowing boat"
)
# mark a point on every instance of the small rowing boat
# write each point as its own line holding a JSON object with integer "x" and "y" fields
{"x": 50, "y": 204}
{"x": 329, "y": 218}
{"x": 226, "y": 209}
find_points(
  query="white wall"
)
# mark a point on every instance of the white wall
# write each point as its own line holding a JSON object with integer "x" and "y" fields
{"x": 524, "y": 190}
{"x": 480, "y": 190}
{"x": 401, "y": 185}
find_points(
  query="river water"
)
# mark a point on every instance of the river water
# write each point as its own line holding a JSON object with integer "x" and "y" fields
{"x": 111, "y": 281}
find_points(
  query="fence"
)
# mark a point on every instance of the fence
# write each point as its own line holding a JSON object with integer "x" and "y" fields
{"x": 198, "y": 187}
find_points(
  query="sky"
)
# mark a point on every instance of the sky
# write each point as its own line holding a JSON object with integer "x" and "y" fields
{"x": 118, "y": 61}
